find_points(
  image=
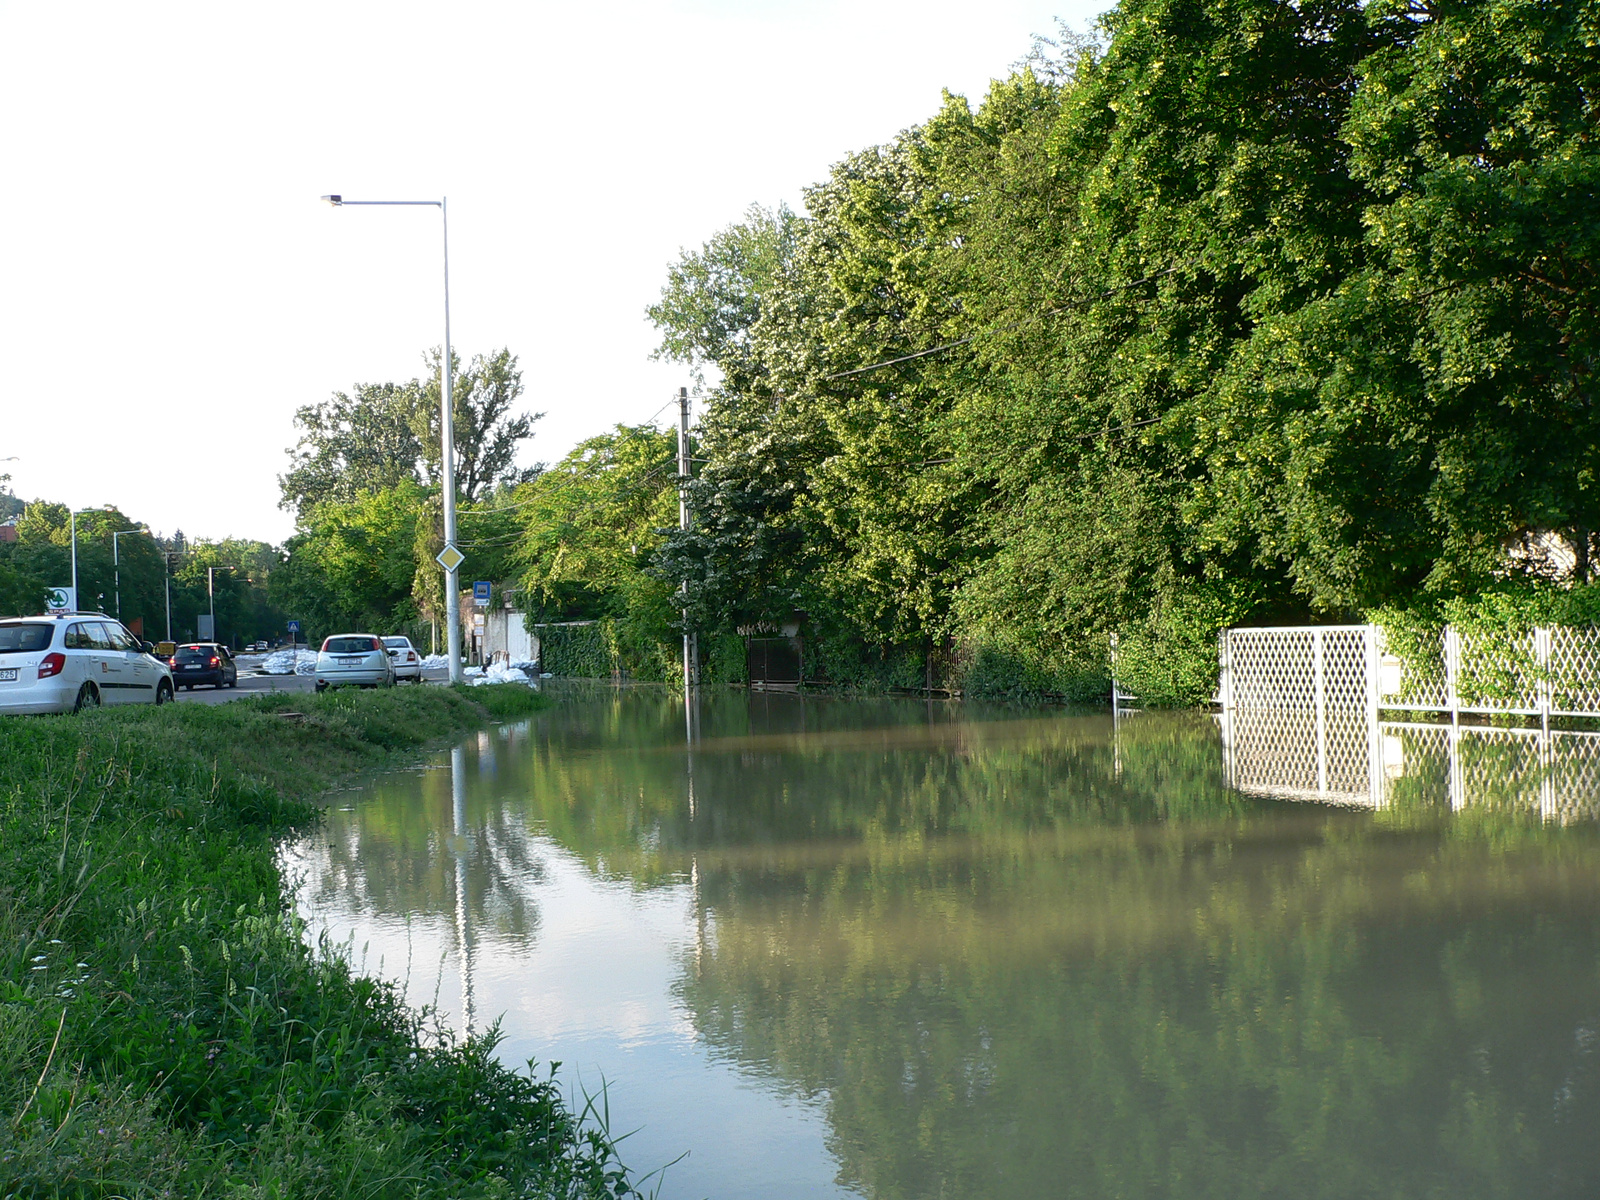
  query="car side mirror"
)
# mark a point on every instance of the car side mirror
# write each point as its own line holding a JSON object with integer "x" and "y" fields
{"x": 149, "y": 647}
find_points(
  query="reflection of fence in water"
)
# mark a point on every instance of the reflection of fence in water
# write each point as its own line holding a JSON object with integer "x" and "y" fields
{"x": 1556, "y": 774}
{"x": 1553, "y": 773}
{"x": 1302, "y": 706}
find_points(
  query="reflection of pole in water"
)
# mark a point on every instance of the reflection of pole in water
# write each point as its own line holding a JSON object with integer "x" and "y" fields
{"x": 1116, "y": 741}
{"x": 458, "y": 827}
{"x": 699, "y": 916}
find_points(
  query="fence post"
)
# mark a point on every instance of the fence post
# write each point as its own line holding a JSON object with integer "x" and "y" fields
{"x": 1225, "y": 668}
{"x": 1374, "y": 657}
{"x": 1452, "y": 672}
{"x": 1116, "y": 693}
{"x": 1320, "y": 686}
{"x": 1541, "y": 658}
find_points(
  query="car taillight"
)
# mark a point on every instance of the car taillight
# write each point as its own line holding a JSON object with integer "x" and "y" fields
{"x": 213, "y": 660}
{"x": 52, "y": 664}
{"x": 173, "y": 661}
{"x": 411, "y": 657}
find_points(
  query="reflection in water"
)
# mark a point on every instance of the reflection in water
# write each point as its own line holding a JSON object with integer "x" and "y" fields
{"x": 899, "y": 950}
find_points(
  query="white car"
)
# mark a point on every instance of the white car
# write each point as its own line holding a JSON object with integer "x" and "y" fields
{"x": 66, "y": 662}
{"x": 407, "y": 662}
{"x": 359, "y": 658}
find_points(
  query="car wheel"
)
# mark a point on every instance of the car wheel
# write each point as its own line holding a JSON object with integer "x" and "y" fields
{"x": 88, "y": 697}
{"x": 163, "y": 693}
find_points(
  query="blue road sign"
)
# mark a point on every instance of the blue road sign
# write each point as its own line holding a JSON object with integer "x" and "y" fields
{"x": 294, "y": 626}
{"x": 480, "y": 592}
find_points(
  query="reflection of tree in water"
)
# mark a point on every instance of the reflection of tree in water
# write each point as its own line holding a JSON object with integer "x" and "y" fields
{"x": 396, "y": 852}
{"x": 1308, "y": 1008}
{"x": 778, "y": 774}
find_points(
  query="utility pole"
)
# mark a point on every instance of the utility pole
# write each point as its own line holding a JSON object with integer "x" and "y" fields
{"x": 166, "y": 557}
{"x": 691, "y": 672}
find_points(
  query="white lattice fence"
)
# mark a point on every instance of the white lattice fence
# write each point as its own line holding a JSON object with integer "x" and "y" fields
{"x": 1573, "y": 658}
{"x": 1302, "y": 714}
{"x": 1301, "y": 703}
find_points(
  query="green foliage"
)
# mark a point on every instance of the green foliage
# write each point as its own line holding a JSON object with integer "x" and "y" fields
{"x": 1288, "y": 304}
{"x": 590, "y": 524}
{"x": 1495, "y": 624}
{"x": 164, "y": 1030}
{"x": 575, "y": 651}
{"x": 237, "y": 588}
{"x": 353, "y": 564}
{"x": 388, "y": 434}
{"x": 609, "y": 649}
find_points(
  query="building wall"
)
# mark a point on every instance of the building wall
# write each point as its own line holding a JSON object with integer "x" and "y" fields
{"x": 507, "y": 639}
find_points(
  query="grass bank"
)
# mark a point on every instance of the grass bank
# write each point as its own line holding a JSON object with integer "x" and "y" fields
{"x": 163, "y": 1029}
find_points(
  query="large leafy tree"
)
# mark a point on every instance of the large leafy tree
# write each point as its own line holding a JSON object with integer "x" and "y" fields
{"x": 1252, "y": 310}
{"x": 590, "y": 524}
{"x": 386, "y": 434}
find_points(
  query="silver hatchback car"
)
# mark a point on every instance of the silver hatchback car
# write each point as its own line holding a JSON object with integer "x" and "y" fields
{"x": 358, "y": 658}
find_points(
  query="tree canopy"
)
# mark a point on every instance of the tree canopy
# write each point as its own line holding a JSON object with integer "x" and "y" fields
{"x": 1243, "y": 309}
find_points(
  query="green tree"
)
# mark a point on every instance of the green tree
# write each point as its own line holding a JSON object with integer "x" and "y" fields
{"x": 590, "y": 524}
{"x": 387, "y": 434}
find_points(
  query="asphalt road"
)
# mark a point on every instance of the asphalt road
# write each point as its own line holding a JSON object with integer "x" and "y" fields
{"x": 251, "y": 684}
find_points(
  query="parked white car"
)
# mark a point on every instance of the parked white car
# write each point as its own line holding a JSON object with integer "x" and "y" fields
{"x": 358, "y": 658}
{"x": 66, "y": 662}
{"x": 407, "y": 662}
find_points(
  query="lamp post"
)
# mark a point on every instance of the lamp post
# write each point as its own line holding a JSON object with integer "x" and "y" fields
{"x": 116, "y": 564}
{"x": 450, "y": 557}
{"x": 73, "y": 515}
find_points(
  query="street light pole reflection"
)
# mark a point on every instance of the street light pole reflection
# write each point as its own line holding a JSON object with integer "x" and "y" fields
{"x": 459, "y": 846}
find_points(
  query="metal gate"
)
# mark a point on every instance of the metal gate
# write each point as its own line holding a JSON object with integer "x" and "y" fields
{"x": 773, "y": 662}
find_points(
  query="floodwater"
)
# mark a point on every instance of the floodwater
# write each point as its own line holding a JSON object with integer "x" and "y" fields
{"x": 894, "y": 950}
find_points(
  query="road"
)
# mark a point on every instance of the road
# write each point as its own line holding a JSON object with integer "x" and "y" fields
{"x": 252, "y": 684}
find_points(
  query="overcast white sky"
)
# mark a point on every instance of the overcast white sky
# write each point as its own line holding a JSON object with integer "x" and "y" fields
{"x": 171, "y": 290}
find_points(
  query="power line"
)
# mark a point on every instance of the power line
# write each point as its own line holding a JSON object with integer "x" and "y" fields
{"x": 1007, "y": 328}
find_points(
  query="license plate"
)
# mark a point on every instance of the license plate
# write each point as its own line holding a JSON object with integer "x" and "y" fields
{"x": 8, "y": 674}
{"x": 350, "y": 662}
{"x": 192, "y": 667}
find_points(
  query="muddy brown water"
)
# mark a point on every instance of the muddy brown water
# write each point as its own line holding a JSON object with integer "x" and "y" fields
{"x": 893, "y": 949}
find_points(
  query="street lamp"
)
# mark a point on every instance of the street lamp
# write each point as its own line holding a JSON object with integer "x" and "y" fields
{"x": 116, "y": 563}
{"x": 73, "y": 515}
{"x": 450, "y": 556}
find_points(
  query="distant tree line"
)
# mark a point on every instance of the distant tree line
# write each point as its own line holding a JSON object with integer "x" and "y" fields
{"x": 157, "y": 574}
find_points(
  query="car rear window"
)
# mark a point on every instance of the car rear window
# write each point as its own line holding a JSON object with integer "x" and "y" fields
{"x": 348, "y": 645}
{"x": 194, "y": 654}
{"x": 397, "y": 643}
{"x": 22, "y": 639}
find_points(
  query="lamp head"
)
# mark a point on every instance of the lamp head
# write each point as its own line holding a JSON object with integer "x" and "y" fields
{"x": 336, "y": 201}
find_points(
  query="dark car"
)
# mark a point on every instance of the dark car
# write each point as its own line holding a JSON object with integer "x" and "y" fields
{"x": 203, "y": 662}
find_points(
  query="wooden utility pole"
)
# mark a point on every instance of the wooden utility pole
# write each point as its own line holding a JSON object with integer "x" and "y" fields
{"x": 691, "y": 668}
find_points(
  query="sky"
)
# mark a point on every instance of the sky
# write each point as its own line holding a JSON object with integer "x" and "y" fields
{"x": 172, "y": 289}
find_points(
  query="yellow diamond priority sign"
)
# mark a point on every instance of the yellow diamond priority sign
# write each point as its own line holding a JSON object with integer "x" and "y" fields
{"x": 450, "y": 558}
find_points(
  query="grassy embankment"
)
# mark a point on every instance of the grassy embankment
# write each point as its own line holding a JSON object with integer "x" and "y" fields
{"x": 163, "y": 1029}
